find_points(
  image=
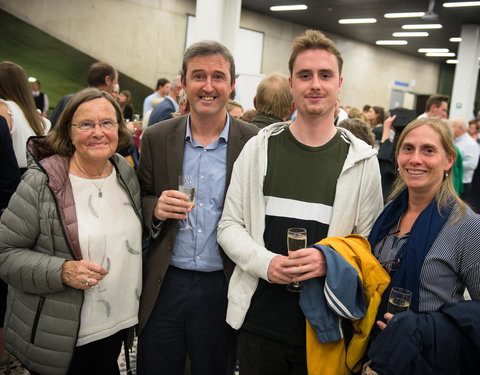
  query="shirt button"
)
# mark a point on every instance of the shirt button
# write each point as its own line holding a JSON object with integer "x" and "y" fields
{"x": 199, "y": 231}
{"x": 159, "y": 280}
{"x": 200, "y": 204}
{"x": 204, "y": 150}
{"x": 198, "y": 258}
{"x": 201, "y": 177}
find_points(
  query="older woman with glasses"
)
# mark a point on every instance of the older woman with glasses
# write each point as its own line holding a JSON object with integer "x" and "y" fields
{"x": 70, "y": 244}
{"x": 427, "y": 238}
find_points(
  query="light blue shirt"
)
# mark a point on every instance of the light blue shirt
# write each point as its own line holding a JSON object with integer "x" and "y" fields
{"x": 197, "y": 249}
{"x": 147, "y": 103}
{"x": 173, "y": 102}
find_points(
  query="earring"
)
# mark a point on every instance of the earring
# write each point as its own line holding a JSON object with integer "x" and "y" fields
{"x": 446, "y": 174}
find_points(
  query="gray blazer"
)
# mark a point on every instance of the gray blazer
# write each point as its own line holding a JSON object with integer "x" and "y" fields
{"x": 161, "y": 162}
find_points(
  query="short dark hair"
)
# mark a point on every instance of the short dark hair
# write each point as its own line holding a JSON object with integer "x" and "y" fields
{"x": 436, "y": 100}
{"x": 59, "y": 141}
{"x": 161, "y": 82}
{"x": 314, "y": 39}
{"x": 98, "y": 72}
{"x": 207, "y": 48}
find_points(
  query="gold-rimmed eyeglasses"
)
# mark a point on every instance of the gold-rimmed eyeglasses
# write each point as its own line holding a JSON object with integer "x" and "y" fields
{"x": 89, "y": 126}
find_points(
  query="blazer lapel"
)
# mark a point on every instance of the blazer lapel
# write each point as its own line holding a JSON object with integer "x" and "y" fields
{"x": 175, "y": 147}
{"x": 236, "y": 142}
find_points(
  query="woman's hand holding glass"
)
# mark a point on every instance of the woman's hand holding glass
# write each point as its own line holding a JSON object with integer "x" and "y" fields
{"x": 82, "y": 274}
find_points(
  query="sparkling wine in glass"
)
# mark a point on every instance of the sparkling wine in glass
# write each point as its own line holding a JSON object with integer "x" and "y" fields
{"x": 296, "y": 239}
{"x": 97, "y": 252}
{"x": 399, "y": 300}
{"x": 186, "y": 185}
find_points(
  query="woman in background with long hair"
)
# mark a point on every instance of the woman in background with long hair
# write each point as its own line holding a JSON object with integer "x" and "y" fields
{"x": 18, "y": 108}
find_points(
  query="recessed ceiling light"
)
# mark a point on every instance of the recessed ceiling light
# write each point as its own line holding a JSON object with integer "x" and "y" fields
{"x": 455, "y": 40}
{"x": 462, "y": 4}
{"x": 391, "y": 42}
{"x": 451, "y": 61}
{"x": 427, "y": 50}
{"x": 410, "y": 34}
{"x": 422, "y": 26}
{"x": 357, "y": 20}
{"x": 280, "y": 8}
{"x": 404, "y": 15}
{"x": 440, "y": 54}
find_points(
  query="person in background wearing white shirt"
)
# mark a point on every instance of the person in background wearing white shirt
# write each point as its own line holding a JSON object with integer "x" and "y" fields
{"x": 470, "y": 153}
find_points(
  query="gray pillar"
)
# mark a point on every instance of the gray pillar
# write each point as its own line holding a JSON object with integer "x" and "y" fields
{"x": 466, "y": 73}
{"x": 218, "y": 20}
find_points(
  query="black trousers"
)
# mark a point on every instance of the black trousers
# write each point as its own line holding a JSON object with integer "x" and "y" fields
{"x": 188, "y": 317}
{"x": 260, "y": 355}
{"x": 96, "y": 358}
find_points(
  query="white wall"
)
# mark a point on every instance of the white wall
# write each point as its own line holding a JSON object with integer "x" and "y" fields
{"x": 146, "y": 39}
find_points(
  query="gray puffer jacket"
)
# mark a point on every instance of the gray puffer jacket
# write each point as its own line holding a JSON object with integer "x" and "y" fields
{"x": 38, "y": 233}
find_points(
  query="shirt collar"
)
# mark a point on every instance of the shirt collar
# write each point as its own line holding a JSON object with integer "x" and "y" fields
{"x": 223, "y": 135}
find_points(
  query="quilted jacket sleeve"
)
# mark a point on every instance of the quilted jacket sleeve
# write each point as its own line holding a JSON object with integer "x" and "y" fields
{"x": 29, "y": 230}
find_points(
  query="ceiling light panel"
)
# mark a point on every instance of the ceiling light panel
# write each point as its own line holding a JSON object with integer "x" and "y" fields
{"x": 408, "y": 34}
{"x": 440, "y": 54}
{"x": 455, "y": 40}
{"x": 404, "y": 15}
{"x": 427, "y": 50}
{"x": 451, "y": 61}
{"x": 347, "y": 21}
{"x": 422, "y": 26}
{"x": 462, "y": 4}
{"x": 282, "y": 8}
{"x": 391, "y": 42}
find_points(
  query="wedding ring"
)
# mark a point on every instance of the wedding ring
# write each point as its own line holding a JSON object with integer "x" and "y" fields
{"x": 86, "y": 283}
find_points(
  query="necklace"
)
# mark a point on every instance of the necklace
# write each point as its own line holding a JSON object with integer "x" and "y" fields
{"x": 100, "y": 194}
{"x": 103, "y": 178}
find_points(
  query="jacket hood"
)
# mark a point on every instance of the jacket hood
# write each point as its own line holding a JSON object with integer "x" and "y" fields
{"x": 359, "y": 149}
{"x": 37, "y": 150}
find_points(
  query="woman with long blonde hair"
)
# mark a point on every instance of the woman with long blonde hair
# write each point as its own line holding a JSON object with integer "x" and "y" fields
{"x": 427, "y": 238}
{"x": 18, "y": 108}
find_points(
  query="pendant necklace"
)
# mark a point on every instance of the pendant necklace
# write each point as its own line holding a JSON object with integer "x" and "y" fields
{"x": 104, "y": 178}
{"x": 100, "y": 194}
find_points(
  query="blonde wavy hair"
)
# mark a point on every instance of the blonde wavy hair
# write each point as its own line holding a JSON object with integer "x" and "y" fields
{"x": 446, "y": 195}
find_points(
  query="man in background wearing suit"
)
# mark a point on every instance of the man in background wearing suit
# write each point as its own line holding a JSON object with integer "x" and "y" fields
{"x": 164, "y": 110}
{"x": 184, "y": 297}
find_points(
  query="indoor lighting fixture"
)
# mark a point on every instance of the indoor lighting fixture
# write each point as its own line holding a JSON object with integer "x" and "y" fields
{"x": 440, "y": 54}
{"x": 280, "y": 8}
{"x": 452, "y": 61}
{"x": 422, "y": 26}
{"x": 357, "y": 20}
{"x": 410, "y": 34}
{"x": 391, "y": 42}
{"x": 438, "y": 50}
{"x": 404, "y": 15}
{"x": 455, "y": 40}
{"x": 462, "y": 4}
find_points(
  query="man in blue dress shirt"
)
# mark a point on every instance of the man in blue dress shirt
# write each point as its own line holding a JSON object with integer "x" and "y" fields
{"x": 163, "y": 111}
{"x": 184, "y": 298}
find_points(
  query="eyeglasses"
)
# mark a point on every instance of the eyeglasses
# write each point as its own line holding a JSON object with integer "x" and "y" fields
{"x": 90, "y": 126}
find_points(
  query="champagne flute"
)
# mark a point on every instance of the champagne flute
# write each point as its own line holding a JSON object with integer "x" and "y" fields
{"x": 296, "y": 239}
{"x": 186, "y": 184}
{"x": 399, "y": 300}
{"x": 97, "y": 253}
